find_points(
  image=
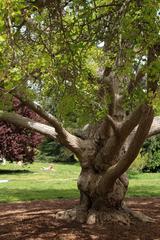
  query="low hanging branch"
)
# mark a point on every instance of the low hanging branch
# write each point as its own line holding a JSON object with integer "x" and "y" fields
{"x": 69, "y": 140}
{"x": 57, "y": 131}
{"x": 40, "y": 111}
{"x": 25, "y": 122}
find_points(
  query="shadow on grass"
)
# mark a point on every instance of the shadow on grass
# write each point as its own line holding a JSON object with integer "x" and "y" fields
{"x": 12, "y": 171}
{"x": 13, "y": 195}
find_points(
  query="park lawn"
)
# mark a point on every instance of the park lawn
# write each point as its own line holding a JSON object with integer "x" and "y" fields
{"x": 37, "y": 184}
{"x": 144, "y": 185}
{"x": 32, "y": 183}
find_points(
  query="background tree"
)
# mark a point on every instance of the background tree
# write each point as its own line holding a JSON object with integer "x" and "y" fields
{"x": 151, "y": 149}
{"x": 51, "y": 151}
{"x": 100, "y": 60}
{"x": 16, "y": 143}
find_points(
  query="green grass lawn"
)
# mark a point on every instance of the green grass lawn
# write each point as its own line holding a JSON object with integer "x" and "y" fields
{"x": 144, "y": 185}
{"x": 32, "y": 183}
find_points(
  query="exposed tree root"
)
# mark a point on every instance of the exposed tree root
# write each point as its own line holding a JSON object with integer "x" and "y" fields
{"x": 121, "y": 216}
{"x": 139, "y": 216}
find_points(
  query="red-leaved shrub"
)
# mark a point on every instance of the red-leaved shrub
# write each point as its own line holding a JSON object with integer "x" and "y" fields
{"x": 17, "y": 143}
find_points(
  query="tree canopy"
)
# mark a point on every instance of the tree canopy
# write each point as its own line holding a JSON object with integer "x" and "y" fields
{"x": 65, "y": 50}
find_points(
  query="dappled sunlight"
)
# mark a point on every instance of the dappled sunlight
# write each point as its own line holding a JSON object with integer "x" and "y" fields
{"x": 35, "y": 220}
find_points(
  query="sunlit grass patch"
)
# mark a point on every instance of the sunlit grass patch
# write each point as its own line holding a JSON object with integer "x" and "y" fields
{"x": 31, "y": 182}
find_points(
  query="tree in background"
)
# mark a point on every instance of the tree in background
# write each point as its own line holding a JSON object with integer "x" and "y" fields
{"x": 148, "y": 160}
{"x": 17, "y": 143}
{"x": 99, "y": 60}
{"x": 51, "y": 151}
{"x": 151, "y": 148}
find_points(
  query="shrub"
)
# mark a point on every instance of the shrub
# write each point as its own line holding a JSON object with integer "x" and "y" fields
{"x": 153, "y": 163}
{"x": 152, "y": 148}
{"x": 51, "y": 151}
{"x": 17, "y": 143}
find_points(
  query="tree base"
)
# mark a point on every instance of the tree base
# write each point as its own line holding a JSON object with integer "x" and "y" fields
{"x": 123, "y": 216}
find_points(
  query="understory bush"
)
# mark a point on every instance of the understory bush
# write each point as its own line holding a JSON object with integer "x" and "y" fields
{"x": 51, "y": 151}
{"x": 152, "y": 148}
{"x": 148, "y": 160}
{"x": 18, "y": 143}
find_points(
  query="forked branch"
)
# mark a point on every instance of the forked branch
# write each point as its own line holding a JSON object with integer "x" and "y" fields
{"x": 132, "y": 121}
{"x": 69, "y": 140}
{"x": 126, "y": 160}
{"x": 114, "y": 124}
{"x": 116, "y": 170}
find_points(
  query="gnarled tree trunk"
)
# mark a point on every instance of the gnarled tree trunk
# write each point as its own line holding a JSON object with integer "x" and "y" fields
{"x": 103, "y": 181}
{"x": 100, "y": 207}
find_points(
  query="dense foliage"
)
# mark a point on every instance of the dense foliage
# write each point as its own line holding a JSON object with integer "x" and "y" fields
{"x": 151, "y": 147}
{"x": 51, "y": 151}
{"x": 16, "y": 143}
{"x": 148, "y": 160}
{"x": 61, "y": 48}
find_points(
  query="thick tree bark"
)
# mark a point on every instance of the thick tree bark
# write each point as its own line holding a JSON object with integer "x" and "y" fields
{"x": 103, "y": 182}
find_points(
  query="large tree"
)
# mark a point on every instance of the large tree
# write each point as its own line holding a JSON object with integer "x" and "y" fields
{"x": 98, "y": 63}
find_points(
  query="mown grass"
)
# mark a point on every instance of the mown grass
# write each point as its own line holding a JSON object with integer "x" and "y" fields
{"x": 33, "y": 183}
{"x": 37, "y": 184}
{"x": 144, "y": 185}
